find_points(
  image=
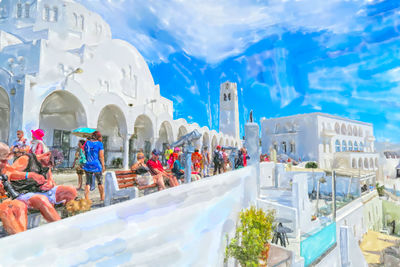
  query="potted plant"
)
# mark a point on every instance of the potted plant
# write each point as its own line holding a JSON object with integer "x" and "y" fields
{"x": 250, "y": 245}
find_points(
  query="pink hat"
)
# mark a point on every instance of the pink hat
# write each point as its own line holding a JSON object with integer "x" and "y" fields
{"x": 177, "y": 149}
{"x": 38, "y": 134}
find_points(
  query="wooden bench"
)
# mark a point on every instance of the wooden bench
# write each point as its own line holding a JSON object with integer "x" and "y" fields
{"x": 121, "y": 184}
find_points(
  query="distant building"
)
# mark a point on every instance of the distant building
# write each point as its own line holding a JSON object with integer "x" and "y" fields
{"x": 60, "y": 69}
{"x": 330, "y": 140}
{"x": 229, "y": 110}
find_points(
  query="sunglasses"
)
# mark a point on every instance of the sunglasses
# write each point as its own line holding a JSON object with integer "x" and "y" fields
{"x": 140, "y": 158}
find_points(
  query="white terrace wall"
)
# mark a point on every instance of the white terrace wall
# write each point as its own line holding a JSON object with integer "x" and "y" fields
{"x": 181, "y": 226}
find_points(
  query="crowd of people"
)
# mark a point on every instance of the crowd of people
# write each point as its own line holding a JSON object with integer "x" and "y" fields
{"x": 27, "y": 180}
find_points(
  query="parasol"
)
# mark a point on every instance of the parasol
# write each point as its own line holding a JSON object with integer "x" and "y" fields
{"x": 83, "y": 132}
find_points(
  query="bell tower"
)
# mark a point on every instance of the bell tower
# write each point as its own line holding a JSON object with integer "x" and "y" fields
{"x": 229, "y": 109}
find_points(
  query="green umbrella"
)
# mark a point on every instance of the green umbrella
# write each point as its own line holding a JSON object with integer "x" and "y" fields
{"x": 83, "y": 132}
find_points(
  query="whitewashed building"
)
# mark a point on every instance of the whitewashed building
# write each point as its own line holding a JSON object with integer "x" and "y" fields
{"x": 330, "y": 140}
{"x": 60, "y": 69}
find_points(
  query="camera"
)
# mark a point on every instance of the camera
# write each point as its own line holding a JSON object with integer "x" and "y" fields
{"x": 8, "y": 187}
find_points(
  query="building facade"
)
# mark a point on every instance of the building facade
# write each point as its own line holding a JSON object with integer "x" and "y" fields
{"x": 332, "y": 141}
{"x": 60, "y": 69}
{"x": 229, "y": 110}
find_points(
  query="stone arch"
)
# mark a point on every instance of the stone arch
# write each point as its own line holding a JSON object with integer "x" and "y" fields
{"x": 182, "y": 131}
{"x": 277, "y": 128}
{"x": 165, "y": 136}
{"x": 355, "y": 131}
{"x": 214, "y": 142}
{"x": 354, "y": 164}
{"x": 349, "y": 130}
{"x": 206, "y": 140}
{"x": 337, "y": 128}
{"x": 376, "y": 163}
{"x": 371, "y": 163}
{"x": 226, "y": 142}
{"x": 60, "y": 113}
{"x": 343, "y": 129}
{"x": 143, "y": 135}
{"x": 366, "y": 164}
{"x": 360, "y": 163}
{"x": 221, "y": 141}
{"x": 4, "y": 115}
{"x": 112, "y": 125}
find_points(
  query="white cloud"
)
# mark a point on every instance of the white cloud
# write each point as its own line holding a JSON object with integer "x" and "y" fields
{"x": 215, "y": 30}
{"x": 194, "y": 90}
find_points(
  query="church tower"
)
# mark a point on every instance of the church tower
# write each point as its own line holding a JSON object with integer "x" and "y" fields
{"x": 229, "y": 110}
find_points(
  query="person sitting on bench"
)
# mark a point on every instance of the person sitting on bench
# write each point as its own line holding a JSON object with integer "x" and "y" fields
{"x": 140, "y": 168}
{"x": 156, "y": 168}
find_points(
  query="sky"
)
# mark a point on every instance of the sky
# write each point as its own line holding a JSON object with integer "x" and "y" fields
{"x": 287, "y": 57}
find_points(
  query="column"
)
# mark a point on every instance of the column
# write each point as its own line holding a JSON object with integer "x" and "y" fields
{"x": 126, "y": 153}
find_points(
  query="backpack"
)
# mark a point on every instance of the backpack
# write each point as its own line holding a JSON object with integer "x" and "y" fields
{"x": 82, "y": 157}
{"x": 217, "y": 156}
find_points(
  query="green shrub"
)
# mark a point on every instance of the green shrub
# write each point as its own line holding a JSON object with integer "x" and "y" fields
{"x": 380, "y": 189}
{"x": 251, "y": 236}
{"x": 311, "y": 165}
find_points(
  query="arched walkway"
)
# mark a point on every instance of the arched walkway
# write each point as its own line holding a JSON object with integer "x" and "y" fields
{"x": 60, "y": 113}
{"x": 112, "y": 125}
{"x": 4, "y": 116}
{"x": 143, "y": 136}
{"x": 214, "y": 143}
{"x": 206, "y": 140}
{"x": 165, "y": 136}
{"x": 182, "y": 131}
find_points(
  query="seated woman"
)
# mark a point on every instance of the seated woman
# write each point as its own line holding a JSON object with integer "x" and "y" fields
{"x": 178, "y": 170}
{"x": 140, "y": 168}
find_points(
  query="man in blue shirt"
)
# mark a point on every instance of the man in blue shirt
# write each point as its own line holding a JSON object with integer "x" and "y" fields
{"x": 94, "y": 167}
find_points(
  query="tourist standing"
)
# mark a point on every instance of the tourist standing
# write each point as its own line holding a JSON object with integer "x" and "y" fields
{"x": 20, "y": 146}
{"x": 217, "y": 160}
{"x": 94, "y": 167}
{"x": 196, "y": 160}
{"x": 167, "y": 154}
{"x": 37, "y": 145}
{"x": 79, "y": 162}
{"x": 205, "y": 162}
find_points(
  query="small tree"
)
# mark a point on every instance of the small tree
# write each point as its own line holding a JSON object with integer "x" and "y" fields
{"x": 380, "y": 189}
{"x": 311, "y": 165}
{"x": 251, "y": 237}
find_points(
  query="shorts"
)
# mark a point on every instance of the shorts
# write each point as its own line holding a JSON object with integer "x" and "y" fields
{"x": 89, "y": 177}
{"x": 51, "y": 196}
{"x": 79, "y": 170}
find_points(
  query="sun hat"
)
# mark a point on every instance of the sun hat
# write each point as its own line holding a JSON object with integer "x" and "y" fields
{"x": 5, "y": 153}
{"x": 38, "y": 134}
{"x": 155, "y": 152}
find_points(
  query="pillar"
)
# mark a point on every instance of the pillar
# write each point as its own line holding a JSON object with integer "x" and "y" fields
{"x": 126, "y": 153}
{"x": 252, "y": 144}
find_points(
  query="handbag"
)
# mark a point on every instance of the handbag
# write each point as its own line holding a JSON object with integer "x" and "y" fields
{"x": 145, "y": 179}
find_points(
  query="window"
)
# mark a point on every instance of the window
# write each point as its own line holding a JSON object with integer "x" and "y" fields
{"x": 293, "y": 148}
{"x": 276, "y": 147}
{"x": 337, "y": 145}
{"x": 76, "y": 20}
{"x": 344, "y": 146}
{"x": 284, "y": 147}
{"x": 27, "y": 9}
{"x": 355, "y": 131}
{"x": 229, "y": 96}
{"x": 277, "y": 128}
{"x": 355, "y": 146}
{"x": 82, "y": 22}
{"x": 19, "y": 10}
{"x": 224, "y": 97}
{"x": 46, "y": 13}
{"x": 349, "y": 131}
{"x": 350, "y": 146}
{"x": 361, "y": 147}
{"x": 55, "y": 14}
